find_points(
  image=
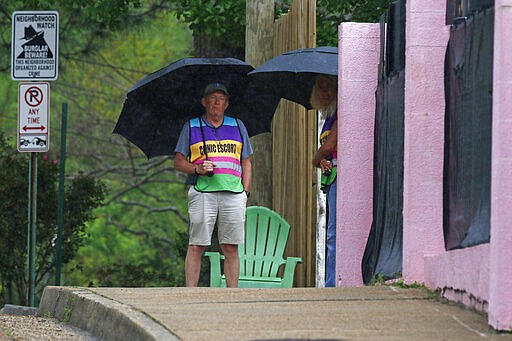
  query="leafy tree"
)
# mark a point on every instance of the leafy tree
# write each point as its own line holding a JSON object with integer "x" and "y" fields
{"x": 82, "y": 195}
{"x": 219, "y": 25}
{"x": 140, "y": 235}
{"x": 148, "y": 252}
{"x": 83, "y": 23}
{"x": 330, "y": 13}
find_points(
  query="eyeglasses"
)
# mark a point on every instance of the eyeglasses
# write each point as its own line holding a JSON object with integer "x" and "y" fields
{"x": 217, "y": 98}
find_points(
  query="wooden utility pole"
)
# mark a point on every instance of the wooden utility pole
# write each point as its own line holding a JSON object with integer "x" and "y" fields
{"x": 259, "y": 35}
{"x": 259, "y": 31}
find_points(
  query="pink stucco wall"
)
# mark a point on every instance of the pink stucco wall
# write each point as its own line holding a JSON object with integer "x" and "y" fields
{"x": 426, "y": 40}
{"x": 357, "y": 77}
{"x": 462, "y": 275}
{"x": 500, "y": 289}
{"x": 478, "y": 276}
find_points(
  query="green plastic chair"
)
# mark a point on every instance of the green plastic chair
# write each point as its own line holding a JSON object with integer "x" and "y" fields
{"x": 261, "y": 256}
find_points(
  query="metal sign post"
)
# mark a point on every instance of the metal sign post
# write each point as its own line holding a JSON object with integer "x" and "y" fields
{"x": 34, "y": 47}
{"x": 31, "y": 230}
{"x": 60, "y": 209}
{"x": 33, "y": 136}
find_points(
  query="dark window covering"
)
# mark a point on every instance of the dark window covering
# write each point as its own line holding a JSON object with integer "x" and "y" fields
{"x": 468, "y": 127}
{"x": 383, "y": 252}
{"x": 457, "y": 10}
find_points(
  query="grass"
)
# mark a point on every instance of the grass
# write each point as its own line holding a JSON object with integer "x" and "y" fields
{"x": 69, "y": 310}
{"x": 5, "y": 332}
{"x": 48, "y": 315}
{"x": 398, "y": 282}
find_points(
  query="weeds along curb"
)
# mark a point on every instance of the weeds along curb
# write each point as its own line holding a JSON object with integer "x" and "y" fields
{"x": 104, "y": 318}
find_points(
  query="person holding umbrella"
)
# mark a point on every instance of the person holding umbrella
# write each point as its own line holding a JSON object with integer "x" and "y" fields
{"x": 308, "y": 76}
{"x": 216, "y": 148}
{"x": 324, "y": 98}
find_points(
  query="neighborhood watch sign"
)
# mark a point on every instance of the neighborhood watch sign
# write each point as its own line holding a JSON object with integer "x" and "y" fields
{"x": 35, "y": 37}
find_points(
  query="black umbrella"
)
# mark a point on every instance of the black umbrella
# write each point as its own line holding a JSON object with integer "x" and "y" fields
{"x": 292, "y": 74}
{"x": 158, "y": 105}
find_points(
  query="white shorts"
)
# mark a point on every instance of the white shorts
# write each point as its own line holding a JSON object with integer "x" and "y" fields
{"x": 224, "y": 209}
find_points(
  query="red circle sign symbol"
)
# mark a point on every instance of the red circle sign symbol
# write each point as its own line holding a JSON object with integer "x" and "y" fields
{"x": 33, "y": 96}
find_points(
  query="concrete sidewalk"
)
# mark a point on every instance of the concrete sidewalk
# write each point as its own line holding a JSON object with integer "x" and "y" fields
{"x": 366, "y": 313}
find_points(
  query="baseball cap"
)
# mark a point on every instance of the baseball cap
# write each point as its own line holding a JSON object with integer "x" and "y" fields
{"x": 212, "y": 87}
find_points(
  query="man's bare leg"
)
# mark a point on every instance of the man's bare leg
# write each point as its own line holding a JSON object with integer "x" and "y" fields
{"x": 231, "y": 264}
{"x": 193, "y": 264}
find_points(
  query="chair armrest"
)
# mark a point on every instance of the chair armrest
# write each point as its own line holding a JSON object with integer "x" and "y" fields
{"x": 215, "y": 274}
{"x": 289, "y": 271}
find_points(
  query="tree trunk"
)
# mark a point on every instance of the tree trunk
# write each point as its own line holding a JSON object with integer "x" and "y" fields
{"x": 208, "y": 47}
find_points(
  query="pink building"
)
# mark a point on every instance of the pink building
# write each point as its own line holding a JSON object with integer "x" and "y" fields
{"x": 478, "y": 276}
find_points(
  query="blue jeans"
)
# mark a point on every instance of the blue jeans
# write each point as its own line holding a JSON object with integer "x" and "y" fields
{"x": 330, "y": 260}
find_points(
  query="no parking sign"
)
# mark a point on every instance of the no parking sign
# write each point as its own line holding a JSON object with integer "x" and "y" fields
{"x": 33, "y": 123}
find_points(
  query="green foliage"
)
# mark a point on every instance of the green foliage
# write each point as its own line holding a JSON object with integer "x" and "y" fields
{"x": 140, "y": 235}
{"x": 103, "y": 13}
{"x": 223, "y": 21}
{"x": 219, "y": 25}
{"x": 83, "y": 23}
{"x": 70, "y": 306}
{"x": 396, "y": 281}
{"x": 8, "y": 104}
{"x": 218, "y": 19}
{"x": 378, "y": 279}
{"x": 82, "y": 195}
{"x": 48, "y": 315}
{"x": 402, "y": 284}
{"x": 432, "y": 294}
{"x": 129, "y": 247}
{"x": 331, "y": 13}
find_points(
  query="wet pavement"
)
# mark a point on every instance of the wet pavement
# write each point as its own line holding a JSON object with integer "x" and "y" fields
{"x": 362, "y": 313}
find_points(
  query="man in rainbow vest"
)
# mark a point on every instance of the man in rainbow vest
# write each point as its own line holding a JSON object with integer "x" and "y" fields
{"x": 216, "y": 148}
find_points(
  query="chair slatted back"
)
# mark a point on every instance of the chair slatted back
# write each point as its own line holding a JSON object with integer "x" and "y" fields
{"x": 266, "y": 235}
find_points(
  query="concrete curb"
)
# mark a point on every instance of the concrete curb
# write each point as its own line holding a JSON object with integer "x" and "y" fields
{"x": 103, "y": 317}
{"x": 21, "y": 310}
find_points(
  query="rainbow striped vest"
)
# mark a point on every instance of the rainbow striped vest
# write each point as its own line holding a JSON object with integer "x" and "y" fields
{"x": 326, "y": 130}
{"x": 224, "y": 148}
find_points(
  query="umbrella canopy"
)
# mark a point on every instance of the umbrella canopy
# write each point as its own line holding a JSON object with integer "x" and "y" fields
{"x": 157, "y": 106}
{"x": 292, "y": 74}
